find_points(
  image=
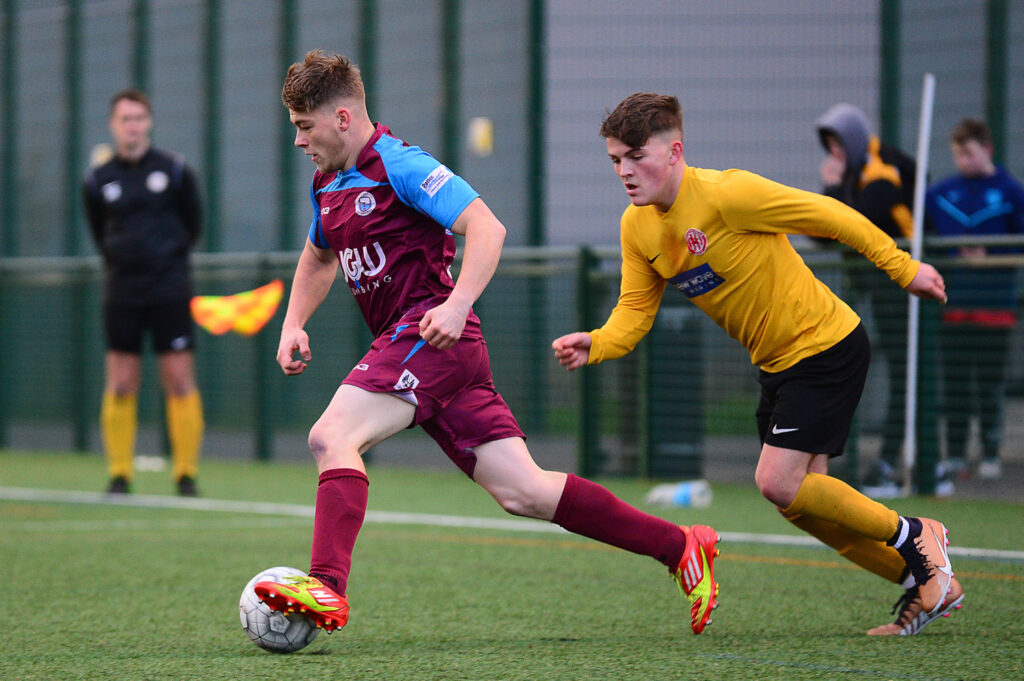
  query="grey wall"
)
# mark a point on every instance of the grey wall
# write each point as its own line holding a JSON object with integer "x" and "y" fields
{"x": 751, "y": 77}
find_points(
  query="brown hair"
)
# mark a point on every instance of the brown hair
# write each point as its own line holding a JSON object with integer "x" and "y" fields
{"x": 133, "y": 95}
{"x": 642, "y": 115}
{"x": 971, "y": 129}
{"x": 319, "y": 79}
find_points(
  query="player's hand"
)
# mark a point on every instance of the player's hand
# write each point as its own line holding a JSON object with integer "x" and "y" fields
{"x": 928, "y": 283}
{"x": 293, "y": 340}
{"x": 572, "y": 350}
{"x": 442, "y": 326}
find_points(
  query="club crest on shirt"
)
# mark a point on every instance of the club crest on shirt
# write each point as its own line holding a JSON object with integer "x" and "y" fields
{"x": 111, "y": 191}
{"x": 157, "y": 181}
{"x": 365, "y": 203}
{"x": 696, "y": 241}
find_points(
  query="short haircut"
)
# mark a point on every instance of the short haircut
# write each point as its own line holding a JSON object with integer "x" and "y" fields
{"x": 642, "y": 115}
{"x": 971, "y": 129}
{"x": 132, "y": 95}
{"x": 321, "y": 78}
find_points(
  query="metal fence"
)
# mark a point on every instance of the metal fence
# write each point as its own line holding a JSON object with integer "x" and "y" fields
{"x": 681, "y": 405}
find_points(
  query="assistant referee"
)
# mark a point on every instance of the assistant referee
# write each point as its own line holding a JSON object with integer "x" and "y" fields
{"x": 145, "y": 215}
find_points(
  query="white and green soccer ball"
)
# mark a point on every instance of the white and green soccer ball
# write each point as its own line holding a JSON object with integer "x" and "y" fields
{"x": 269, "y": 629}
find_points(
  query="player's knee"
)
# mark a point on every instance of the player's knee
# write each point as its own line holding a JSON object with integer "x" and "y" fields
{"x": 769, "y": 487}
{"x": 517, "y": 502}
{"x": 319, "y": 441}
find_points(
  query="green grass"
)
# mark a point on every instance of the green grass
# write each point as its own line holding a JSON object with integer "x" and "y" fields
{"x": 109, "y": 592}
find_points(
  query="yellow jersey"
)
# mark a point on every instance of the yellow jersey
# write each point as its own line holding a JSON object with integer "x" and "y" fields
{"x": 723, "y": 244}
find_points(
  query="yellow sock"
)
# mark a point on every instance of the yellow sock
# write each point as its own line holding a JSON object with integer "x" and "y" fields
{"x": 185, "y": 428}
{"x": 872, "y": 555}
{"x": 827, "y": 498}
{"x": 118, "y": 423}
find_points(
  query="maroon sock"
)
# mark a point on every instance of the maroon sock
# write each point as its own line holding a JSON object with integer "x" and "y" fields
{"x": 340, "y": 508}
{"x": 589, "y": 509}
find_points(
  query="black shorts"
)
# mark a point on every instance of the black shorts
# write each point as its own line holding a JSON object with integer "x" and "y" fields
{"x": 170, "y": 326}
{"x": 809, "y": 407}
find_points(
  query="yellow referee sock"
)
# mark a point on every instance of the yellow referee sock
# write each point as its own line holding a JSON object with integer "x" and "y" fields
{"x": 870, "y": 554}
{"x": 827, "y": 498}
{"x": 185, "y": 429}
{"x": 118, "y": 423}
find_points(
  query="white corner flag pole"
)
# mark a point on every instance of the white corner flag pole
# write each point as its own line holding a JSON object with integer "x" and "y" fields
{"x": 924, "y": 134}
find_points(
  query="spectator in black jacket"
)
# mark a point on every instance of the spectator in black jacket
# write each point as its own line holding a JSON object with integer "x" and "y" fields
{"x": 144, "y": 212}
{"x": 878, "y": 181}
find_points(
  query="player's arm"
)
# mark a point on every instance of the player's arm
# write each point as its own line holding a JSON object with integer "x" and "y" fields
{"x": 93, "y": 210}
{"x": 756, "y": 204}
{"x": 313, "y": 278}
{"x": 190, "y": 205}
{"x": 639, "y": 297}
{"x": 442, "y": 326}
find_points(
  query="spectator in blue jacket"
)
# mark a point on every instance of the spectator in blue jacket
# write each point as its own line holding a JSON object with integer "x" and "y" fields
{"x": 981, "y": 200}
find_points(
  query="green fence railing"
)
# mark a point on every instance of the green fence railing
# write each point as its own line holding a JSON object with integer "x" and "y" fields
{"x": 686, "y": 397}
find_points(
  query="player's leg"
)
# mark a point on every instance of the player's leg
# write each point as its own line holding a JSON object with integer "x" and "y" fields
{"x": 783, "y": 478}
{"x": 956, "y": 355}
{"x": 184, "y": 411}
{"x": 872, "y": 555}
{"x": 174, "y": 342}
{"x": 119, "y": 416}
{"x": 123, "y": 327}
{"x": 809, "y": 408}
{"x": 991, "y": 347}
{"x": 506, "y": 470}
{"x": 354, "y": 421}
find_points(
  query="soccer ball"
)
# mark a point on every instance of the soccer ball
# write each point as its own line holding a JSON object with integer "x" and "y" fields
{"x": 269, "y": 629}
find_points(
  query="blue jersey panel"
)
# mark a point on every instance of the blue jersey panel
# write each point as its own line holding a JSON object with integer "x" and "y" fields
{"x": 422, "y": 182}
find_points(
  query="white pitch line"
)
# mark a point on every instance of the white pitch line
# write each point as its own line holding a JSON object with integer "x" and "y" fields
{"x": 400, "y": 518}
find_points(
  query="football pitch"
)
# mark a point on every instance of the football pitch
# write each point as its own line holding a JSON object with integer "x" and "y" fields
{"x": 443, "y": 586}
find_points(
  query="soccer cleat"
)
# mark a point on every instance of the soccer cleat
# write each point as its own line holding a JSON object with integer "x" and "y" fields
{"x": 928, "y": 561}
{"x": 187, "y": 487}
{"x": 119, "y": 485}
{"x": 912, "y": 617}
{"x": 695, "y": 574}
{"x": 308, "y": 596}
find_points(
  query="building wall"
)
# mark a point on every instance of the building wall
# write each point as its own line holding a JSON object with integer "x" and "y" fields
{"x": 752, "y": 78}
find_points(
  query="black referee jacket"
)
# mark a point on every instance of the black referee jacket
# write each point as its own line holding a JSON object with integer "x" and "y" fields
{"x": 145, "y": 217}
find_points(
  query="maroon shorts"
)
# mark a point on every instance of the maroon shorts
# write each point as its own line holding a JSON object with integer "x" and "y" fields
{"x": 456, "y": 402}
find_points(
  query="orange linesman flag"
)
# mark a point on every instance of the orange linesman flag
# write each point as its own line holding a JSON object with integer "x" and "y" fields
{"x": 245, "y": 313}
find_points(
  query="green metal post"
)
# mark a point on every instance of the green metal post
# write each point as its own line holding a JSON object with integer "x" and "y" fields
{"x": 367, "y": 49}
{"x": 451, "y": 89}
{"x": 890, "y": 73}
{"x": 536, "y": 226}
{"x": 212, "y": 122}
{"x": 9, "y": 138}
{"x": 588, "y": 454}
{"x": 140, "y": 48}
{"x": 73, "y": 170}
{"x": 997, "y": 25}
{"x": 264, "y": 407}
{"x": 6, "y": 393}
{"x": 927, "y": 426}
{"x": 286, "y": 218}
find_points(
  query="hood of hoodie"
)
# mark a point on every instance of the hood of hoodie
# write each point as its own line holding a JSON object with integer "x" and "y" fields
{"x": 850, "y": 125}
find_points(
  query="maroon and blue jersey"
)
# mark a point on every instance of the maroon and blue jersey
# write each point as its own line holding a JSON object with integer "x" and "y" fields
{"x": 388, "y": 219}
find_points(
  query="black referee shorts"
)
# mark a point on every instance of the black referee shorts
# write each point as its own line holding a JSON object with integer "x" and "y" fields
{"x": 169, "y": 325}
{"x": 809, "y": 407}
